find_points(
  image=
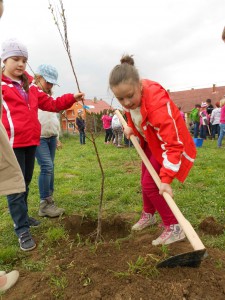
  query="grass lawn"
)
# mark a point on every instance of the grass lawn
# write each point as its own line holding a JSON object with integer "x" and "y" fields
{"x": 78, "y": 185}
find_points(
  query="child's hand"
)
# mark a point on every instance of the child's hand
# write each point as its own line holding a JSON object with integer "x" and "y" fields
{"x": 79, "y": 97}
{"x": 165, "y": 187}
{"x": 128, "y": 131}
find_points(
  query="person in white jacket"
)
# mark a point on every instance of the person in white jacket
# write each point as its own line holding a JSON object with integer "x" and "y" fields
{"x": 215, "y": 120}
{"x": 117, "y": 130}
{"x": 46, "y": 77}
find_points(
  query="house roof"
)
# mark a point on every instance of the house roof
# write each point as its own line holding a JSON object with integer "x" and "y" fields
{"x": 99, "y": 106}
{"x": 187, "y": 99}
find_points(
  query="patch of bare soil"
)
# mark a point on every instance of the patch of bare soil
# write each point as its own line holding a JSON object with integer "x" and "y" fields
{"x": 210, "y": 226}
{"x": 122, "y": 267}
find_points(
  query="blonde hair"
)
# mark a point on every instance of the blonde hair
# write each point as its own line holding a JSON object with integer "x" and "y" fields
{"x": 38, "y": 83}
{"x": 222, "y": 102}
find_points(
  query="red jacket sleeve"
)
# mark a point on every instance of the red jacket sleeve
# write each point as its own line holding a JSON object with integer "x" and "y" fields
{"x": 48, "y": 103}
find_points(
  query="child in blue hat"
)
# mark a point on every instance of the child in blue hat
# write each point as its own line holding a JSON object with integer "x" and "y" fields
{"x": 46, "y": 77}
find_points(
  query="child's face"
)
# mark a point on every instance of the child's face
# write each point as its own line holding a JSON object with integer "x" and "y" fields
{"x": 44, "y": 85}
{"x": 15, "y": 66}
{"x": 128, "y": 94}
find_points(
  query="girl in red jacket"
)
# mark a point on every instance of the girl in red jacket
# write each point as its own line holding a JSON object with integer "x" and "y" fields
{"x": 21, "y": 100}
{"x": 156, "y": 120}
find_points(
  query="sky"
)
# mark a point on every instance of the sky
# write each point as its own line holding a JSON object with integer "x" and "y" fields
{"x": 174, "y": 42}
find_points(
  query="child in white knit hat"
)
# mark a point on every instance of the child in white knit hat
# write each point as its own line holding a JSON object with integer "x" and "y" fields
{"x": 21, "y": 100}
{"x": 13, "y": 47}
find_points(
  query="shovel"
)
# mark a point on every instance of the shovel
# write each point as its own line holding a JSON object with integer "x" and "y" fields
{"x": 188, "y": 259}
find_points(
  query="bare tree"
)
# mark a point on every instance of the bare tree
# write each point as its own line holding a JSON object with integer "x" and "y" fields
{"x": 61, "y": 23}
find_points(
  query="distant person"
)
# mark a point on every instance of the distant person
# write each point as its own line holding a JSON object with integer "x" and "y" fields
{"x": 181, "y": 113}
{"x": 45, "y": 78}
{"x": 80, "y": 123}
{"x": 209, "y": 110}
{"x": 106, "y": 121}
{"x": 210, "y": 107}
{"x": 195, "y": 118}
{"x": 215, "y": 120}
{"x": 155, "y": 119}
{"x": 204, "y": 120}
{"x": 21, "y": 101}
{"x": 118, "y": 131}
{"x": 222, "y": 123}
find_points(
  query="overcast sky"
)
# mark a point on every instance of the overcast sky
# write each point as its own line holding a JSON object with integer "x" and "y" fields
{"x": 174, "y": 42}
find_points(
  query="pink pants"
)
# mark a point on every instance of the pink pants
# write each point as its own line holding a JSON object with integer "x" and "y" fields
{"x": 152, "y": 201}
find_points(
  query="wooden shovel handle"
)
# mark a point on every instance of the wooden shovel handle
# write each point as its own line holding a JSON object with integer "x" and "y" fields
{"x": 184, "y": 223}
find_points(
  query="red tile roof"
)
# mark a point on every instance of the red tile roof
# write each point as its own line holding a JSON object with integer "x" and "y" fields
{"x": 187, "y": 99}
{"x": 99, "y": 106}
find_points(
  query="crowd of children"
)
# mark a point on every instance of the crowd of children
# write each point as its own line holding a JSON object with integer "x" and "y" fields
{"x": 113, "y": 129}
{"x": 207, "y": 120}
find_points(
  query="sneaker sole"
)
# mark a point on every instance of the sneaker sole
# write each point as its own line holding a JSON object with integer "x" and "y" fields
{"x": 32, "y": 225}
{"x": 139, "y": 229}
{"x": 160, "y": 244}
{"x": 180, "y": 240}
{"x": 50, "y": 216}
{"x": 28, "y": 249}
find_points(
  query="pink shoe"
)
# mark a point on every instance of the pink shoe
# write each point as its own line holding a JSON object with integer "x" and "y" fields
{"x": 146, "y": 220}
{"x": 171, "y": 234}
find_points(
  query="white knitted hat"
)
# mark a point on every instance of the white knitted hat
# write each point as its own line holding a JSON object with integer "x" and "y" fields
{"x": 13, "y": 47}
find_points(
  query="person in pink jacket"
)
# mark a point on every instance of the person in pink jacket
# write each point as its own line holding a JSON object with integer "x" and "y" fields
{"x": 106, "y": 122}
{"x": 222, "y": 123}
{"x": 156, "y": 121}
{"x": 21, "y": 99}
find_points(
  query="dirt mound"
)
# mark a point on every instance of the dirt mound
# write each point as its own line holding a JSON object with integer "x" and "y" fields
{"x": 211, "y": 226}
{"x": 122, "y": 267}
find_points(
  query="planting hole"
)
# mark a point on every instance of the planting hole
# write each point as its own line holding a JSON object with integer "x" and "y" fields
{"x": 112, "y": 228}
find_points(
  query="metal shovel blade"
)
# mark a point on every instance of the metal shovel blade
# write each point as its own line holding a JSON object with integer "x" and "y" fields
{"x": 188, "y": 259}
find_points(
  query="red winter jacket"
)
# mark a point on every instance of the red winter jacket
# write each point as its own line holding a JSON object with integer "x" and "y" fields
{"x": 20, "y": 118}
{"x": 166, "y": 132}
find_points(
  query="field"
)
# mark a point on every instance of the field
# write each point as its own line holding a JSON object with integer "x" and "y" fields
{"x": 68, "y": 264}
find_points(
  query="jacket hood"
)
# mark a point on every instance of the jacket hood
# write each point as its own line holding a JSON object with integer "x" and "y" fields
{"x": 154, "y": 91}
